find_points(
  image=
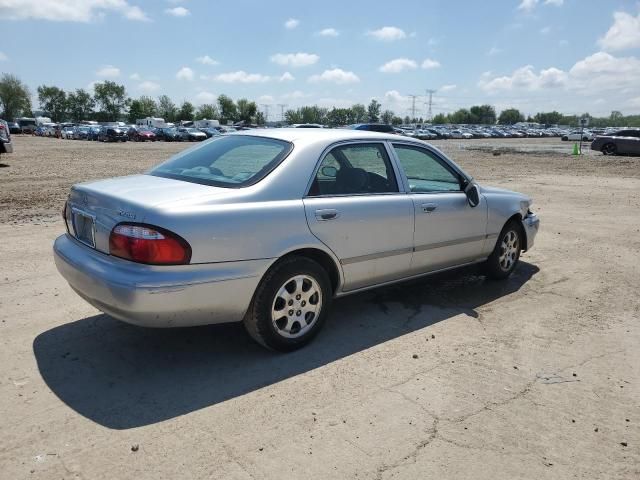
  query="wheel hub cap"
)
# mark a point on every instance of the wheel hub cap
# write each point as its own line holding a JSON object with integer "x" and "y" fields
{"x": 296, "y": 306}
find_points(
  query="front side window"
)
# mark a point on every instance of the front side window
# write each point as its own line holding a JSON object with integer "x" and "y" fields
{"x": 426, "y": 173}
{"x": 232, "y": 161}
{"x": 356, "y": 169}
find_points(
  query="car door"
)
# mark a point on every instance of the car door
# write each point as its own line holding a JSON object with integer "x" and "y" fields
{"x": 356, "y": 208}
{"x": 448, "y": 231}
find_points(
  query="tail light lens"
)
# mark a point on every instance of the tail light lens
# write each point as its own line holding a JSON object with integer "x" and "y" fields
{"x": 148, "y": 244}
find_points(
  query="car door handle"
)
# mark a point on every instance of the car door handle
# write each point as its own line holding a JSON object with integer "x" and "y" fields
{"x": 326, "y": 214}
{"x": 429, "y": 207}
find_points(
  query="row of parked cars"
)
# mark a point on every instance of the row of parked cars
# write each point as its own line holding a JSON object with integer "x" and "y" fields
{"x": 123, "y": 133}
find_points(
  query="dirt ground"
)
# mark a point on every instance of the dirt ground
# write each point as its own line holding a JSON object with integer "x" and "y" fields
{"x": 446, "y": 378}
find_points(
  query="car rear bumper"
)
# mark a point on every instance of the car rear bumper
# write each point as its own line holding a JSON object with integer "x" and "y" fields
{"x": 6, "y": 147}
{"x": 159, "y": 296}
{"x": 531, "y": 224}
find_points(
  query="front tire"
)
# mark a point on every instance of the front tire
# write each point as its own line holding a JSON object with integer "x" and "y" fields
{"x": 290, "y": 305}
{"x": 506, "y": 254}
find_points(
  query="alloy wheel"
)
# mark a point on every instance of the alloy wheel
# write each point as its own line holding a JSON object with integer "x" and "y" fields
{"x": 296, "y": 306}
{"x": 509, "y": 249}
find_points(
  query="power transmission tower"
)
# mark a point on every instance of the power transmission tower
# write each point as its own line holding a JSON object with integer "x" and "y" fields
{"x": 265, "y": 107}
{"x": 282, "y": 107}
{"x": 413, "y": 106}
{"x": 429, "y": 112}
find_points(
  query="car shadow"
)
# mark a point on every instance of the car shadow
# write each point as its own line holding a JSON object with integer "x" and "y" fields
{"x": 122, "y": 376}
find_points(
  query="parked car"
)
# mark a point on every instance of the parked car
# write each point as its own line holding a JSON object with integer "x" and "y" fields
{"x": 191, "y": 134}
{"x": 112, "y": 134}
{"x": 141, "y": 134}
{"x": 624, "y": 142}
{"x": 14, "y": 127}
{"x": 267, "y": 227}
{"x": 586, "y": 135}
{"x": 168, "y": 134}
{"x": 67, "y": 133}
{"x": 5, "y": 138}
{"x": 374, "y": 127}
{"x": 80, "y": 132}
{"x": 94, "y": 132}
{"x": 210, "y": 132}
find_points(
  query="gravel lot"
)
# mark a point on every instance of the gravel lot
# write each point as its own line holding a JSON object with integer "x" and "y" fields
{"x": 451, "y": 377}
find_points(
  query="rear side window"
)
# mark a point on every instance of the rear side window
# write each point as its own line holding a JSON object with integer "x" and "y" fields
{"x": 232, "y": 161}
{"x": 357, "y": 169}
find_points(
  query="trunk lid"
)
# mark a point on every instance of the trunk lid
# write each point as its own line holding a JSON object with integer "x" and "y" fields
{"x": 127, "y": 199}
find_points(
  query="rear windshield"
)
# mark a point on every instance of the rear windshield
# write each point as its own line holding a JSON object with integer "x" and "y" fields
{"x": 232, "y": 161}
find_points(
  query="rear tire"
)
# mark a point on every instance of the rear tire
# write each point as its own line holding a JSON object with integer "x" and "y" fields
{"x": 609, "y": 149}
{"x": 290, "y": 305}
{"x": 506, "y": 254}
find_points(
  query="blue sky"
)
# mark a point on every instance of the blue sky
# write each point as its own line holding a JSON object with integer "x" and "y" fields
{"x": 571, "y": 55}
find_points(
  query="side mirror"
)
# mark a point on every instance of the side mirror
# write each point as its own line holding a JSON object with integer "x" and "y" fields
{"x": 328, "y": 171}
{"x": 473, "y": 194}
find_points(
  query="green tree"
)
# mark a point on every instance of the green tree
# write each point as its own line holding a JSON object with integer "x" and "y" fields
{"x": 293, "y": 116}
{"x": 387, "y": 117}
{"x": 483, "y": 114}
{"x": 396, "y": 120}
{"x": 260, "y": 120}
{"x": 359, "y": 113}
{"x": 15, "y": 98}
{"x": 80, "y": 105}
{"x": 616, "y": 119}
{"x": 142, "y": 108}
{"x": 228, "y": 109}
{"x": 166, "y": 108}
{"x": 53, "y": 100}
{"x": 440, "y": 119}
{"x": 111, "y": 99}
{"x": 207, "y": 111}
{"x": 462, "y": 116}
{"x": 548, "y": 118}
{"x": 246, "y": 110}
{"x": 510, "y": 116}
{"x": 373, "y": 111}
{"x": 186, "y": 111}
{"x": 339, "y": 116}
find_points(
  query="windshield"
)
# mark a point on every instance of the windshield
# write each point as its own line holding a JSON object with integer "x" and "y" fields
{"x": 231, "y": 161}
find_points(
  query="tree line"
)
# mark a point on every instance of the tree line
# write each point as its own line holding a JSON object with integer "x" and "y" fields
{"x": 109, "y": 102}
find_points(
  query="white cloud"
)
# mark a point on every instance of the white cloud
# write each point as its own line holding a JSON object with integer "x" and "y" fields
{"x": 108, "y": 71}
{"x": 555, "y": 3}
{"x": 205, "y": 97}
{"x": 398, "y": 65}
{"x": 335, "y": 75}
{"x": 241, "y": 77}
{"x": 177, "y": 12}
{"x": 388, "y": 34}
{"x": 393, "y": 96}
{"x": 286, "y": 77}
{"x": 135, "y": 76}
{"x": 527, "y": 5}
{"x": 185, "y": 73}
{"x": 295, "y": 95}
{"x": 447, "y": 88}
{"x": 148, "y": 87}
{"x": 494, "y": 51}
{"x": 3, "y": 57}
{"x": 295, "y": 59}
{"x": 291, "y": 23}
{"x": 69, "y": 10}
{"x": 600, "y": 72}
{"x": 623, "y": 34}
{"x": 207, "y": 60}
{"x": 429, "y": 63}
{"x": 266, "y": 99}
{"x": 328, "y": 32}
{"x": 545, "y": 30}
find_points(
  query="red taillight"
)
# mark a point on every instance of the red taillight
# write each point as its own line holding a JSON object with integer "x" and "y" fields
{"x": 148, "y": 244}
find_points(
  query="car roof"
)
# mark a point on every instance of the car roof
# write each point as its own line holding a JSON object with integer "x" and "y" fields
{"x": 320, "y": 134}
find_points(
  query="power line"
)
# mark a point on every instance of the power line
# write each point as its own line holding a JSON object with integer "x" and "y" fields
{"x": 429, "y": 112}
{"x": 413, "y": 105}
{"x": 265, "y": 106}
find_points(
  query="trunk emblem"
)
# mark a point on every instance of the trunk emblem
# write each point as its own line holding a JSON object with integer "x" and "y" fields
{"x": 126, "y": 214}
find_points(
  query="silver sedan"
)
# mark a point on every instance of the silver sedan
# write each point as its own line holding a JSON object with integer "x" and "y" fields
{"x": 268, "y": 226}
